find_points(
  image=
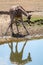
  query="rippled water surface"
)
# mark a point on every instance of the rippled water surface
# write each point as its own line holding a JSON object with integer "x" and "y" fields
{"x": 22, "y": 53}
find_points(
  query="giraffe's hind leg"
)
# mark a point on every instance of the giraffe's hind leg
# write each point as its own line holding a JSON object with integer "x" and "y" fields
{"x": 7, "y": 30}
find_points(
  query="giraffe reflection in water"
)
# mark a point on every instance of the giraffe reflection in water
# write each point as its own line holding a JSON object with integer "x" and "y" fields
{"x": 16, "y": 57}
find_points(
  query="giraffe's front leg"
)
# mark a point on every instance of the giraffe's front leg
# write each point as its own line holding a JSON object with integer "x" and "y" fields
{"x": 11, "y": 28}
{"x": 24, "y": 26}
{"x": 29, "y": 17}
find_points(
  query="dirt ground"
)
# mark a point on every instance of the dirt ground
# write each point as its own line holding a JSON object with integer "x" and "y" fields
{"x": 30, "y": 5}
{"x": 33, "y": 29}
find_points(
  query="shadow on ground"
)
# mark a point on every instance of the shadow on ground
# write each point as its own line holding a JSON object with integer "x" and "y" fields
{"x": 40, "y": 21}
{"x": 19, "y": 35}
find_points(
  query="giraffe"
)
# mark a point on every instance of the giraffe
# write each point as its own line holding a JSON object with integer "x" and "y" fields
{"x": 16, "y": 13}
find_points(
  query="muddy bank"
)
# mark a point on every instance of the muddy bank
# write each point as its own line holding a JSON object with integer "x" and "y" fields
{"x": 9, "y": 39}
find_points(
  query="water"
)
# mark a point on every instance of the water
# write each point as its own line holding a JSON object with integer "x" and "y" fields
{"x": 22, "y": 53}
